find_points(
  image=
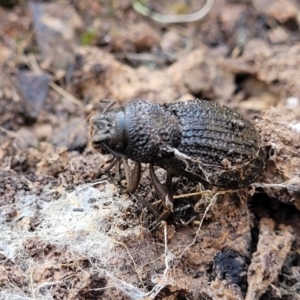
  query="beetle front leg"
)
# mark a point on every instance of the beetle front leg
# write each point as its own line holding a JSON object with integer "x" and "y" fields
{"x": 132, "y": 177}
{"x": 114, "y": 161}
{"x": 164, "y": 192}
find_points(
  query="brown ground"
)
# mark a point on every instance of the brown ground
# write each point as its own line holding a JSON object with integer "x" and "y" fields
{"x": 68, "y": 231}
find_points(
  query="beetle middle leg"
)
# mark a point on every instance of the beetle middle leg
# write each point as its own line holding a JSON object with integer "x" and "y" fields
{"x": 133, "y": 178}
{"x": 165, "y": 192}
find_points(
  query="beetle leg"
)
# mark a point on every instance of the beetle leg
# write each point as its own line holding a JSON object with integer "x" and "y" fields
{"x": 118, "y": 176}
{"x": 149, "y": 206}
{"x": 163, "y": 216}
{"x": 164, "y": 192}
{"x": 169, "y": 189}
{"x": 112, "y": 164}
{"x": 132, "y": 177}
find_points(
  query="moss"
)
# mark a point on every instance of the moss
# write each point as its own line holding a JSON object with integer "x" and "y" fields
{"x": 88, "y": 37}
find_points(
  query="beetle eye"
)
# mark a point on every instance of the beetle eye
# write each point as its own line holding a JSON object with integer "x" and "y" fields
{"x": 103, "y": 126}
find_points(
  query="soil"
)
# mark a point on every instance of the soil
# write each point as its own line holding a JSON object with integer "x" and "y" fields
{"x": 68, "y": 230}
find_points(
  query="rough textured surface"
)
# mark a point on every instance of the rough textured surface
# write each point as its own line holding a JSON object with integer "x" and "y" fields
{"x": 281, "y": 180}
{"x": 258, "y": 53}
{"x": 272, "y": 249}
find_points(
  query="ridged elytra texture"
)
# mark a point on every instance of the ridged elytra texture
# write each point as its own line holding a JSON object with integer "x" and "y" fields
{"x": 201, "y": 140}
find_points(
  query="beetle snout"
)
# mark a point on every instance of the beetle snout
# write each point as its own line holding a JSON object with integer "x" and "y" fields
{"x": 94, "y": 122}
{"x": 99, "y": 131}
{"x": 97, "y": 124}
{"x": 94, "y": 130}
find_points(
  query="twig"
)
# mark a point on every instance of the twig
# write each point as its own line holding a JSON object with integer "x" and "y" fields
{"x": 143, "y": 57}
{"x": 101, "y": 289}
{"x": 200, "y": 14}
{"x": 202, "y": 193}
{"x": 65, "y": 94}
{"x": 32, "y": 63}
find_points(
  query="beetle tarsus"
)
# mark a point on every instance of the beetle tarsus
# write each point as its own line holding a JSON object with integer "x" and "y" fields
{"x": 148, "y": 205}
{"x": 163, "y": 216}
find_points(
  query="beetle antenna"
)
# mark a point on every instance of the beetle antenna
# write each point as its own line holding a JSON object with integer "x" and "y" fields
{"x": 110, "y": 103}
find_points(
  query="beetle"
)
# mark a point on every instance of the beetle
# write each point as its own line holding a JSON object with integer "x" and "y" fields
{"x": 201, "y": 140}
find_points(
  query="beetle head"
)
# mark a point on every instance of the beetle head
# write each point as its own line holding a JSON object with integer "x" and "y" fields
{"x": 107, "y": 132}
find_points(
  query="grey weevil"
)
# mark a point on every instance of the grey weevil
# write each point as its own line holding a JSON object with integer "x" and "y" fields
{"x": 201, "y": 140}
